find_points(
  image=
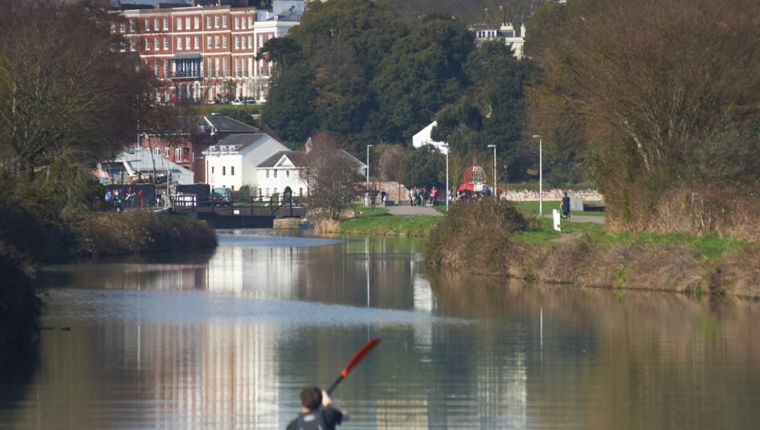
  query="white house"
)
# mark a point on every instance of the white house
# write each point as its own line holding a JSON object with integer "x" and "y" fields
{"x": 423, "y": 138}
{"x": 231, "y": 163}
{"x": 506, "y": 33}
{"x": 287, "y": 169}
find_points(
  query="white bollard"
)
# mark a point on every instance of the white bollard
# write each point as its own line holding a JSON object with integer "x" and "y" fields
{"x": 556, "y": 218}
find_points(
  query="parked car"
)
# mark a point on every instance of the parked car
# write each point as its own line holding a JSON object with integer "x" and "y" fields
{"x": 237, "y": 102}
{"x": 250, "y": 101}
{"x": 221, "y": 197}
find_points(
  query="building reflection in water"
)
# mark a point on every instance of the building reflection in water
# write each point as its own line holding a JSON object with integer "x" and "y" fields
{"x": 457, "y": 352}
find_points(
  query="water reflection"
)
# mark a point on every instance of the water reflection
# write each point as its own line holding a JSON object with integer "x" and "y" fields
{"x": 229, "y": 343}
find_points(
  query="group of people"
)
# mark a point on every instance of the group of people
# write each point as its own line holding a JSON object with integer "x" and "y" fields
{"x": 420, "y": 196}
{"x": 131, "y": 199}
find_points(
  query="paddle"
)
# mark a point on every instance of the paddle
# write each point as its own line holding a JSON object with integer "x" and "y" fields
{"x": 359, "y": 356}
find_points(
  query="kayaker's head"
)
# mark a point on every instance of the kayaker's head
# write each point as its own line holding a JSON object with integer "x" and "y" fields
{"x": 311, "y": 398}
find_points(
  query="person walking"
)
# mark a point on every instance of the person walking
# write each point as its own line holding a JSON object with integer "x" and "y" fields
{"x": 566, "y": 206}
{"x": 317, "y": 412}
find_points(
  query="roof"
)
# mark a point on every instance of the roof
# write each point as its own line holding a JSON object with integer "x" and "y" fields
{"x": 241, "y": 140}
{"x": 298, "y": 158}
{"x": 225, "y": 124}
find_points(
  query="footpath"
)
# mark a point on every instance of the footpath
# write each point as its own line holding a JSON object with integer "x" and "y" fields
{"x": 406, "y": 210}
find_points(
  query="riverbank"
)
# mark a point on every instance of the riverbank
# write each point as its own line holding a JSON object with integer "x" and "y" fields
{"x": 585, "y": 255}
{"x": 27, "y": 239}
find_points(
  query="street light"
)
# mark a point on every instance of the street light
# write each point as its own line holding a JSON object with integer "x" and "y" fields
{"x": 445, "y": 148}
{"x": 494, "y": 167}
{"x": 540, "y": 175}
{"x": 366, "y": 193}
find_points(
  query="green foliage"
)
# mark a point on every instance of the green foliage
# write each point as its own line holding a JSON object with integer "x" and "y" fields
{"x": 422, "y": 72}
{"x": 289, "y": 109}
{"x": 492, "y": 111}
{"x": 423, "y": 167}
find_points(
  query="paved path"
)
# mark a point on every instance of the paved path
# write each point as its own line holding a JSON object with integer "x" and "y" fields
{"x": 413, "y": 210}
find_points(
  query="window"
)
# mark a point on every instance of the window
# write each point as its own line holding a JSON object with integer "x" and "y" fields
{"x": 166, "y": 44}
{"x": 237, "y": 23}
{"x": 212, "y": 169}
{"x": 197, "y": 23}
{"x": 156, "y": 151}
{"x": 237, "y": 42}
{"x": 232, "y": 170}
{"x": 122, "y": 28}
{"x": 224, "y": 21}
{"x": 224, "y": 41}
{"x": 250, "y": 22}
{"x": 275, "y": 175}
{"x": 187, "y": 43}
{"x": 131, "y": 26}
{"x": 178, "y": 154}
{"x": 232, "y": 187}
{"x": 259, "y": 192}
{"x": 216, "y": 22}
{"x": 208, "y": 22}
{"x": 166, "y": 151}
{"x": 267, "y": 177}
{"x": 216, "y": 66}
{"x": 131, "y": 44}
{"x": 216, "y": 41}
{"x": 208, "y": 42}
{"x": 179, "y": 23}
{"x": 156, "y": 45}
{"x": 147, "y": 44}
{"x": 250, "y": 45}
{"x": 166, "y": 24}
{"x": 267, "y": 192}
{"x": 197, "y": 42}
{"x": 147, "y": 25}
{"x": 187, "y": 23}
{"x": 300, "y": 191}
{"x": 157, "y": 68}
{"x": 155, "y": 24}
{"x": 287, "y": 173}
{"x": 224, "y": 68}
{"x": 237, "y": 67}
{"x": 165, "y": 67}
{"x": 179, "y": 43}
{"x": 224, "y": 170}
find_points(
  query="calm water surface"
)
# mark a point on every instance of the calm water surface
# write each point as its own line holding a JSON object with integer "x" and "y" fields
{"x": 228, "y": 340}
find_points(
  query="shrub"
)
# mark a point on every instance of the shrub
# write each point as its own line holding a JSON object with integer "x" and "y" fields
{"x": 477, "y": 235}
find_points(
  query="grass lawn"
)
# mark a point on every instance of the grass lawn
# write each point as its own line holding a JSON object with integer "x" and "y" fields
{"x": 710, "y": 247}
{"x": 377, "y": 221}
{"x": 531, "y": 208}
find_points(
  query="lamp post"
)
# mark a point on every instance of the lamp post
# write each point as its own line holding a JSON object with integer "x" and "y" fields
{"x": 494, "y": 167}
{"x": 540, "y": 175}
{"x": 445, "y": 148}
{"x": 366, "y": 192}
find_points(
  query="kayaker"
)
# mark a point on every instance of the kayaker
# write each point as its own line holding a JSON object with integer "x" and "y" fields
{"x": 317, "y": 412}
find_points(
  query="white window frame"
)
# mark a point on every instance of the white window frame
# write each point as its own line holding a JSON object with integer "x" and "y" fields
{"x": 179, "y": 23}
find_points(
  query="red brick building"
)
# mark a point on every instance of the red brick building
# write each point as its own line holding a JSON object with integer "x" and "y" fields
{"x": 207, "y": 54}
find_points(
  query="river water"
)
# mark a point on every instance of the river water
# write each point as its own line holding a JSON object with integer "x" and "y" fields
{"x": 228, "y": 340}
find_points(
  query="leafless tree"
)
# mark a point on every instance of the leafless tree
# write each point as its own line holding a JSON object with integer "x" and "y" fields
{"x": 647, "y": 84}
{"x": 67, "y": 84}
{"x": 331, "y": 175}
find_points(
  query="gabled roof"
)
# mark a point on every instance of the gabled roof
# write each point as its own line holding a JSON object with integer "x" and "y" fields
{"x": 298, "y": 158}
{"x": 224, "y": 124}
{"x": 241, "y": 140}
